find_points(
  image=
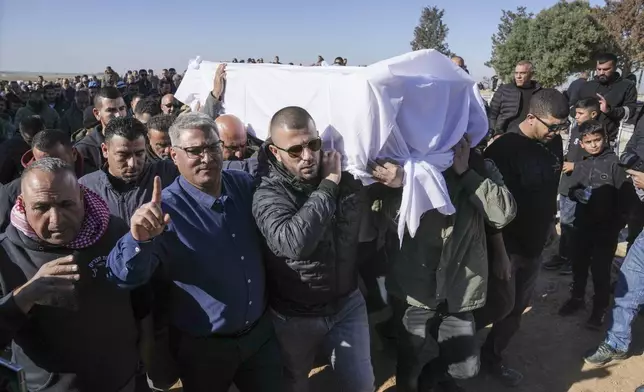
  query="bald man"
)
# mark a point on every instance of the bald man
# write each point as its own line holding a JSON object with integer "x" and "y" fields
{"x": 232, "y": 133}
{"x": 167, "y": 104}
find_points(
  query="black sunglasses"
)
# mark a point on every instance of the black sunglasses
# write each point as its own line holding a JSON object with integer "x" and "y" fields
{"x": 554, "y": 127}
{"x": 297, "y": 150}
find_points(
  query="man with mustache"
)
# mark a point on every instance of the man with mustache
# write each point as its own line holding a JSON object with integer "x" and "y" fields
{"x": 210, "y": 253}
{"x": 69, "y": 328}
{"x": 127, "y": 178}
{"x": 617, "y": 96}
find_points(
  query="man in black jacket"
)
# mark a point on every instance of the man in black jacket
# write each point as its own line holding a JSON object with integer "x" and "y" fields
{"x": 511, "y": 102}
{"x": 125, "y": 181}
{"x": 12, "y": 150}
{"x": 158, "y": 146}
{"x": 575, "y": 88}
{"x": 310, "y": 215}
{"x": 70, "y": 329}
{"x": 48, "y": 143}
{"x": 108, "y": 104}
{"x": 617, "y": 96}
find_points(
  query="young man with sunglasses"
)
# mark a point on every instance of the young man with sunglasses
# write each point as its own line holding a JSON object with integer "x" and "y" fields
{"x": 529, "y": 156}
{"x": 310, "y": 214}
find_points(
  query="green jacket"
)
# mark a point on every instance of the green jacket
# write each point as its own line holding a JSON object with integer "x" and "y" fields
{"x": 447, "y": 259}
{"x": 49, "y": 116}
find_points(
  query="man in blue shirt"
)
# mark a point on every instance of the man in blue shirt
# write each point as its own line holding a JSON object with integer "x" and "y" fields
{"x": 200, "y": 235}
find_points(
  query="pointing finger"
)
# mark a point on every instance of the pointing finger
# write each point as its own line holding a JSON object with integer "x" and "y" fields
{"x": 156, "y": 190}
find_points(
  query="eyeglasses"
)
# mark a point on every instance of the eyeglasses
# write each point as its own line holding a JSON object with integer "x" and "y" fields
{"x": 554, "y": 127}
{"x": 200, "y": 151}
{"x": 297, "y": 150}
{"x": 235, "y": 148}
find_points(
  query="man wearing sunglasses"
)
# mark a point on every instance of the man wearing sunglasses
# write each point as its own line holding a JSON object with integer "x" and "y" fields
{"x": 529, "y": 156}
{"x": 310, "y": 214}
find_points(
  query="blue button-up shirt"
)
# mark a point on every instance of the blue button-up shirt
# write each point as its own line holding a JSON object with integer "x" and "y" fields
{"x": 211, "y": 250}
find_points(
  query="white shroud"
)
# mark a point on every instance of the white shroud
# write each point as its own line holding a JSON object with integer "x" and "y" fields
{"x": 412, "y": 108}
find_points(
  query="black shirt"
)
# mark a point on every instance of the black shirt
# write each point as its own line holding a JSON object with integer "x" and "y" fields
{"x": 575, "y": 154}
{"x": 524, "y": 104}
{"x": 531, "y": 171}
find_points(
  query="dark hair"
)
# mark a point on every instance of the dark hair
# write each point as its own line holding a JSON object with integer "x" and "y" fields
{"x": 588, "y": 104}
{"x": 48, "y": 165}
{"x": 592, "y": 127}
{"x": 142, "y": 70}
{"x": 147, "y": 106}
{"x": 549, "y": 102}
{"x": 127, "y": 127}
{"x": 106, "y": 93}
{"x": 606, "y": 57}
{"x": 291, "y": 117}
{"x": 48, "y": 139}
{"x": 48, "y": 86}
{"x": 30, "y": 126}
{"x": 161, "y": 122}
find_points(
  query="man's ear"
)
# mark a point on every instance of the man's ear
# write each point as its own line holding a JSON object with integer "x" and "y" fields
{"x": 594, "y": 114}
{"x": 275, "y": 153}
{"x": 173, "y": 155}
{"x": 96, "y": 114}
{"x": 104, "y": 150}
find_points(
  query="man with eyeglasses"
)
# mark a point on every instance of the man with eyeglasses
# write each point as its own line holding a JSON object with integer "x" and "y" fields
{"x": 530, "y": 162}
{"x": 310, "y": 215}
{"x": 199, "y": 235}
{"x": 240, "y": 149}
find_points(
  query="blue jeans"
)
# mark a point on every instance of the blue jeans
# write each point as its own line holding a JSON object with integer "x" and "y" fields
{"x": 343, "y": 337}
{"x": 629, "y": 295}
{"x": 567, "y": 209}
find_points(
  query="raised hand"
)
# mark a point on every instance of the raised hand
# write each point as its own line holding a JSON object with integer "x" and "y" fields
{"x": 219, "y": 81}
{"x": 53, "y": 280}
{"x": 331, "y": 166}
{"x": 461, "y": 156}
{"x": 387, "y": 173}
{"x": 603, "y": 105}
{"x": 148, "y": 221}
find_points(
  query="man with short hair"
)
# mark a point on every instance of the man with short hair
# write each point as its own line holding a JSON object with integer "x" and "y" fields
{"x": 511, "y": 102}
{"x": 69, "y": 328}
{"x": 144, "y": 84}
{"x": 126, "y": 179}
{"x": 36, "y": 105}
{"x": 168, "y": 104}
{"x": 145, "y": 109}
{"x": 158, "y": 147}
{"x": 531, "y": 168}
{"x": 47, "y": 143}
{"x": 72, "y": 119}
{"x": 575, "y": 88}
{"x": 134, "y": 100}
{"x": 310, "y": 215}
{"x": 166, "y": 87}
{"x": 12, "y": 150}
{"x": 217, "y": 305}
{"x": 617, "y": 96}
{"x": 108, "y": 104}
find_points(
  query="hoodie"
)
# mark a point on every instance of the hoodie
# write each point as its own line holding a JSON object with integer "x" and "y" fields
{"x": 87, "y": 343}
{"x": 90, "y": 148}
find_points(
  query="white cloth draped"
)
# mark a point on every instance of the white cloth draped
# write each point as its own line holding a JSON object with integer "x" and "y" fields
{"x": 412, "y": 108}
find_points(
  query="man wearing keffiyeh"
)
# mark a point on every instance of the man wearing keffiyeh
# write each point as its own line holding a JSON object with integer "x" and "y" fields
{"x": 70, "y": 329}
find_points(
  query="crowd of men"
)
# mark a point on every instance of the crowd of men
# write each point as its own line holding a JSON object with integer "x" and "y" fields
{"x": 143, "y": 243}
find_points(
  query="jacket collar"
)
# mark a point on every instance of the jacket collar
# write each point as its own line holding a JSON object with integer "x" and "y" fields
{"x": 203, "y": 198}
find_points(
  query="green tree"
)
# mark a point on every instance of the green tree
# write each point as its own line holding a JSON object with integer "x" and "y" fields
{"x": 563, "y": 40}
{"x": 624, "y": 22}
{"x": 509, "y": 19}
{"x": 512, "y": 45}
{"x": 431, "y": 32}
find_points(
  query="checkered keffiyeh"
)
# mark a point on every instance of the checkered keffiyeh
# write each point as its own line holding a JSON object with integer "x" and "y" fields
{"x": 97, "y": 217}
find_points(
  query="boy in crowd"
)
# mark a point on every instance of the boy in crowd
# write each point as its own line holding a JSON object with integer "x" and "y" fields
{"x": 585, "y": 110}
{"x": 602, "y": 193}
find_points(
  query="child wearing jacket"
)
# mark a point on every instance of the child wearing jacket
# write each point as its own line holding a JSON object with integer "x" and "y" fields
{"x": 600, "y": 188}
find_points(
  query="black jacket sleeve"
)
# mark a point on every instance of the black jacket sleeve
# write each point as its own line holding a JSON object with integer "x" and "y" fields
{"x": 11, "y": 317}
{"x": 495, "y": 109}
{"x": 289, "y": 232}
{"x": 630, "y": 101}
{"x": 636, "y": 142}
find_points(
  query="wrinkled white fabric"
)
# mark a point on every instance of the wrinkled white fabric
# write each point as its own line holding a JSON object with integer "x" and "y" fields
{"x": 412, "y": 108}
